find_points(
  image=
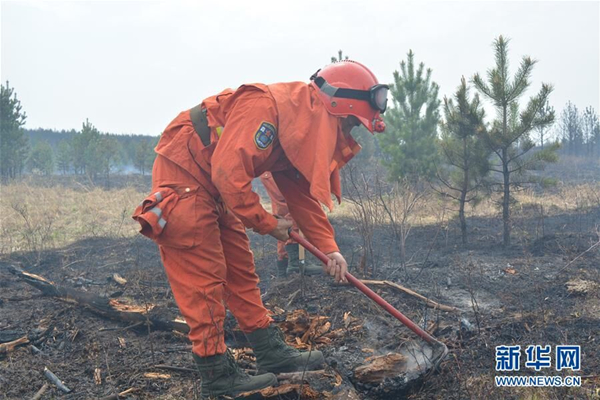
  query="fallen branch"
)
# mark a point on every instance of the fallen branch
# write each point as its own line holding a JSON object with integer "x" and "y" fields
{"x": 54, "y": 379}
{"x": 592, "y": 247}
{"x": 293, "y": 297}
{"x": 35, "y": 350}
{"x": 119, "y": 280}
{"x": 118, "y": 396}
{"x": 40, "y": 392}
{"x": 124, "y": 328}
{"x": 106, "y": 307}
{"x": 10, "y": 346}
{"x": 430, "y": 303}
{"x": 156, "y": 375}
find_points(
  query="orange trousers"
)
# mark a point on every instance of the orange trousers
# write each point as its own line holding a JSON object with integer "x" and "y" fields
{"x": 207, "y": 257}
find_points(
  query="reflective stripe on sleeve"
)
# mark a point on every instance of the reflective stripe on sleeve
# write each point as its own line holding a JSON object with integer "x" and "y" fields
{"x": 158, "y": 197}
{"x": 162, "y": 222}
{"x": 156, "y": 211}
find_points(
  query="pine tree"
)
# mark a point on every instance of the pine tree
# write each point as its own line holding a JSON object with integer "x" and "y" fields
{"x": 464, "y": 150}
{"x": 64, "y": 157}
{"x": 542, "y": 130}
{"x": 509, "y": 136}
{"x": 596, "y": 135}
{"x": 13, "y": 142}
{"x": 409, "y": 141}
{"x": 144, "y": 156}
{"x": 570, "y": 126}
{"x": 339, "y": 57}
{"x": 108, "y": 154}
{"x": 41, "y": 159}
{"x": 84, "y": 151}
{"x": 589, "y": 124}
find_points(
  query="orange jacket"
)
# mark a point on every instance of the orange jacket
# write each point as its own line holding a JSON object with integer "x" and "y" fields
{"x": 283, "y": 128}
{"x": 278, "y": 205}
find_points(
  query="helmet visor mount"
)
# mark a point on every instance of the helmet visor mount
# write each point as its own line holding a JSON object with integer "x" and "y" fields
{"x": 376, "y": 96}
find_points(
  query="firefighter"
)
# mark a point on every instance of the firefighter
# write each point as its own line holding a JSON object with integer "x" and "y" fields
{"x": 202, "y": 201}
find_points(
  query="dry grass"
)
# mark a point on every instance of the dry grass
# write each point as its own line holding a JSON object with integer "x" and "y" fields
{"x": 563, "y": 198}
{"x": 37, "y": 218}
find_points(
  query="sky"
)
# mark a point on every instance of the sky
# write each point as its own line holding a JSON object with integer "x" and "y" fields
{"x": 131, "y": 67}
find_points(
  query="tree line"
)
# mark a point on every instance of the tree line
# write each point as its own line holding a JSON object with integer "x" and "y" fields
{"x": 579, "y": 131}
{"x": 84, "y": 152}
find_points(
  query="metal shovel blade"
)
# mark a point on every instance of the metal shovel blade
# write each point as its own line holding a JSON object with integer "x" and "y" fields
{"x": 419, "y": 358}
{"x": 422, "y": 358}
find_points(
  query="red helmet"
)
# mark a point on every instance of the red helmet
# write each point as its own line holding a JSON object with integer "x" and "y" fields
{"x": 349, "y": 88}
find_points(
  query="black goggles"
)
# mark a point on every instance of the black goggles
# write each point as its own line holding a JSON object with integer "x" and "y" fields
{"x": 376, "y": 95}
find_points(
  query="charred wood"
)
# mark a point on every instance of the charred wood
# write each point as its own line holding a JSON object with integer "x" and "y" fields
{"x": 54, "y": 379}
{"x": 101, "y": 305}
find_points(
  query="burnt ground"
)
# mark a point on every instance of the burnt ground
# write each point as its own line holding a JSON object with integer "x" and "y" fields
{"x": 507, "y": 296}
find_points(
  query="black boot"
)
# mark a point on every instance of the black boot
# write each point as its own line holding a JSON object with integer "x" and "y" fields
{"x": 282, "y": 266}
{"x": 295, "y": 265}
{"x": 274, "y": 355}
{"x": 222, "y": 376}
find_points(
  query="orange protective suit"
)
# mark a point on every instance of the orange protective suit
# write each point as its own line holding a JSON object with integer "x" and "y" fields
{"x": 202, "y": 197}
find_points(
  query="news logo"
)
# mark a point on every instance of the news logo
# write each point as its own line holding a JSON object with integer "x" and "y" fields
{"x": 538, "y": 357}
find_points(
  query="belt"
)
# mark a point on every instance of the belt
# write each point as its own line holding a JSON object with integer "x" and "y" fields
{"x": 200, "y": 123}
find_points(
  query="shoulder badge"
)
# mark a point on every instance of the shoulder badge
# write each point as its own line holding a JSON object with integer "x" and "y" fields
{"x": 264, "y": 136}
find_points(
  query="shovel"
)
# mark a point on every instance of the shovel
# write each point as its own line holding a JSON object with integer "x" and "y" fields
{"x": 420, "y": 357}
